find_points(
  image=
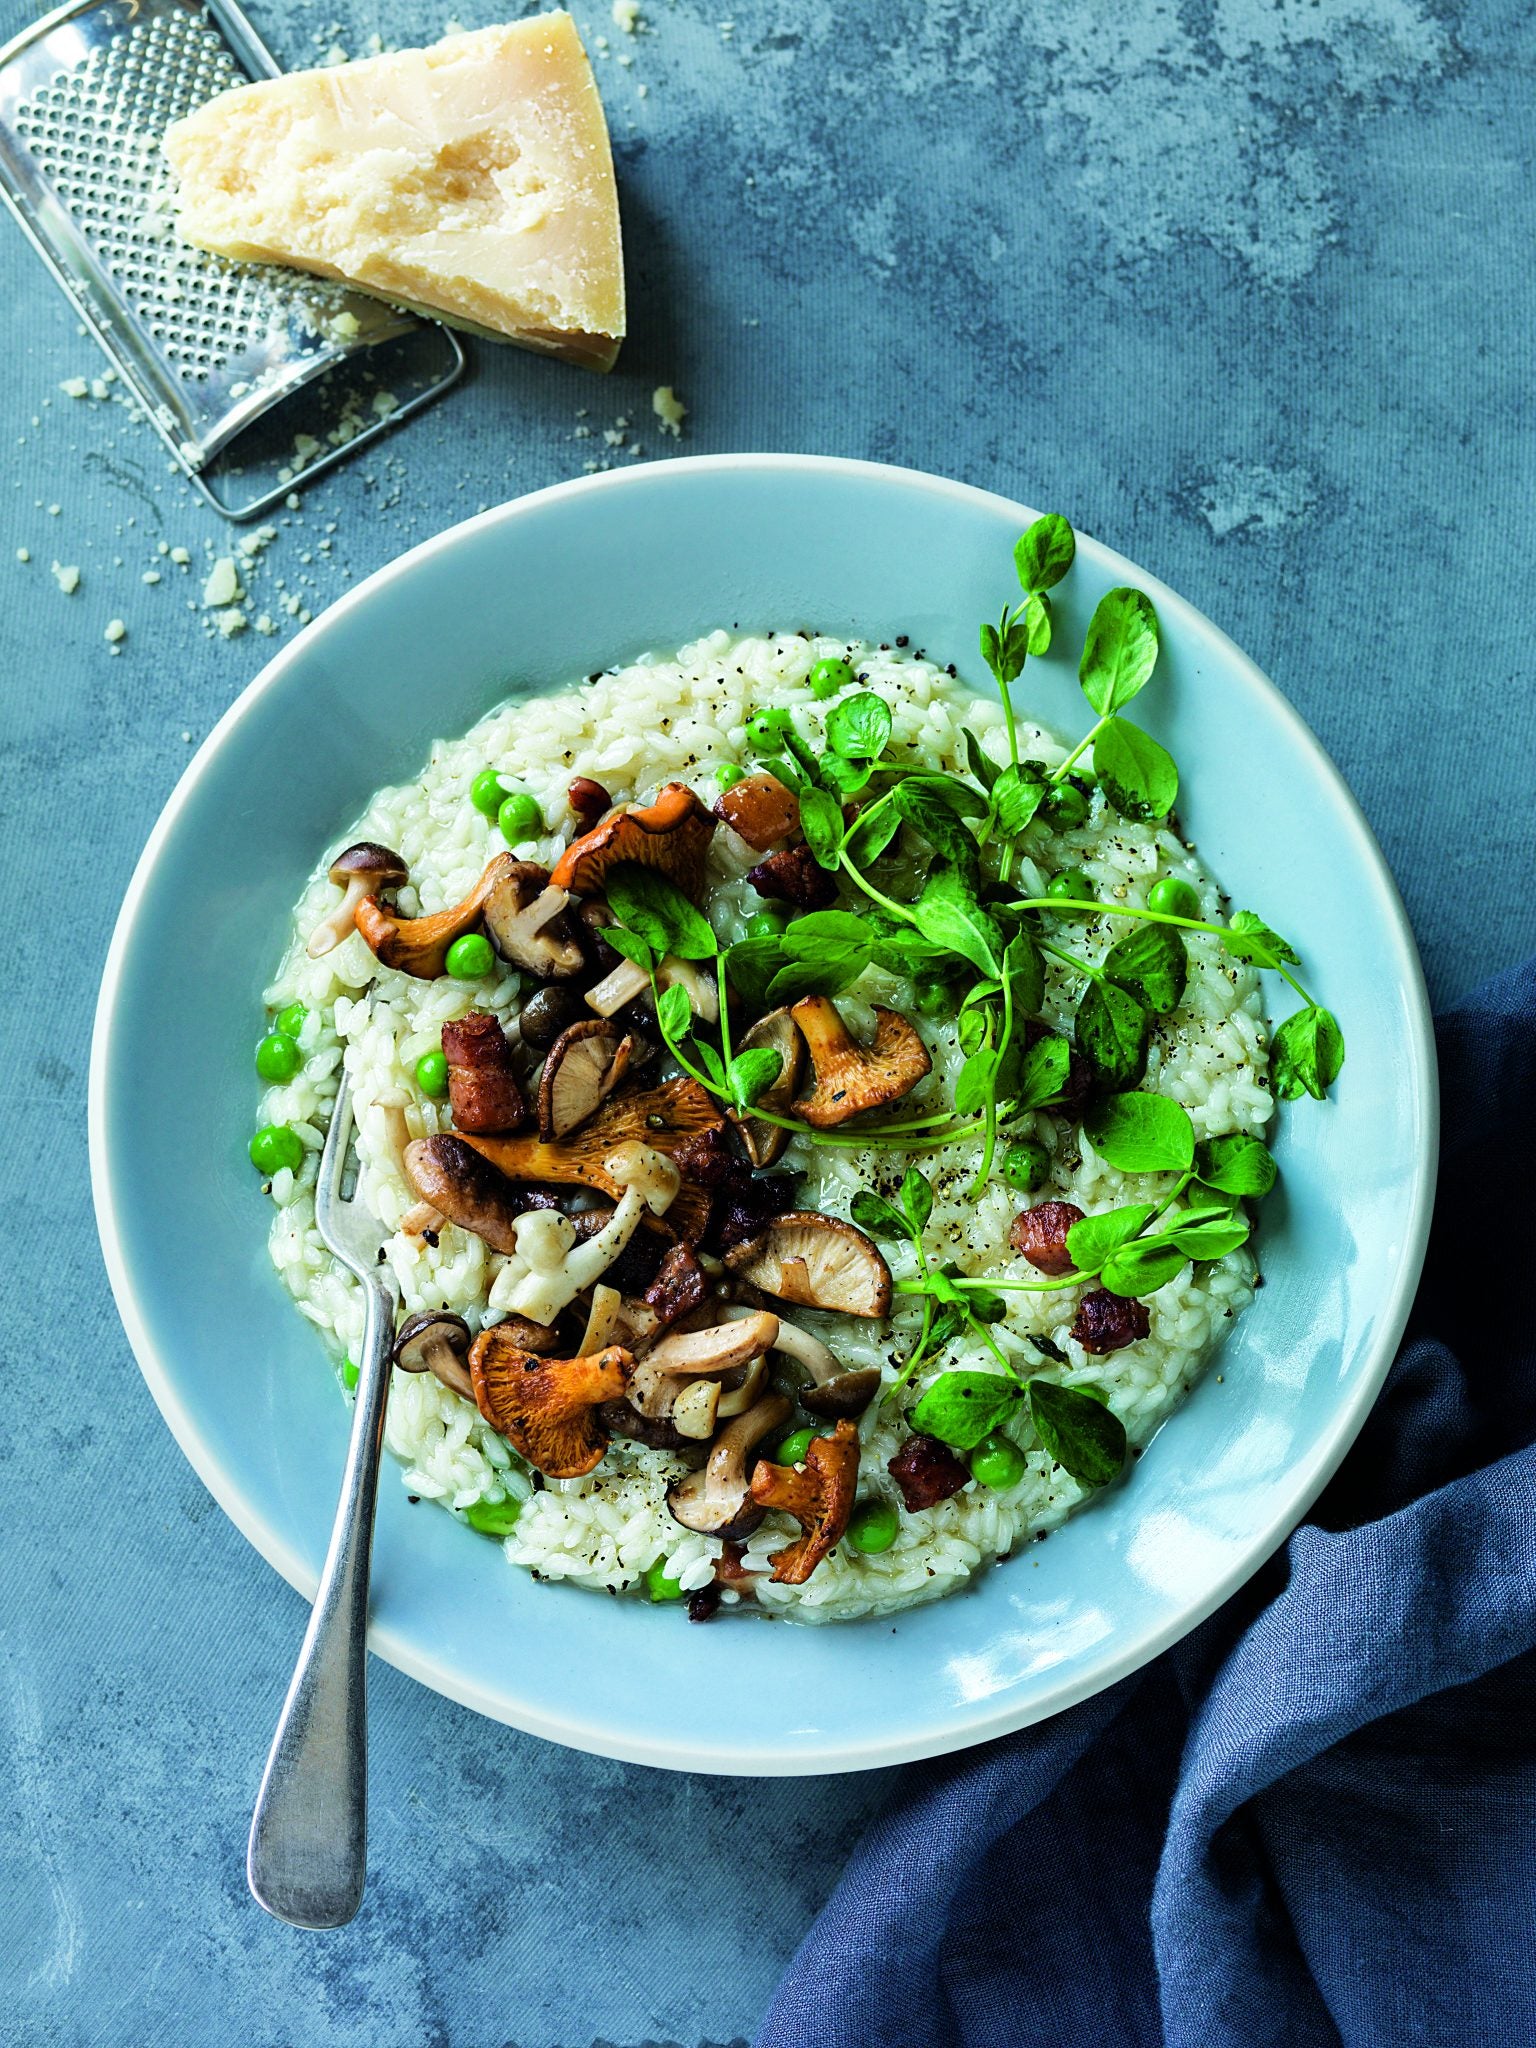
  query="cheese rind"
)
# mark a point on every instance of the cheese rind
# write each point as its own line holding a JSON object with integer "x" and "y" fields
{"x": 473, "y": 179}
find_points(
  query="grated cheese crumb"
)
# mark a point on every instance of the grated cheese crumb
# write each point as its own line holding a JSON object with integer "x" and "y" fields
{"x": 67, "y": 578}
{"x": 669, "y": 409}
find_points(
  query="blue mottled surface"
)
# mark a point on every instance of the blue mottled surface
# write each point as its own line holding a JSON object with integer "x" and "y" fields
{"x": 1244, "y": 288}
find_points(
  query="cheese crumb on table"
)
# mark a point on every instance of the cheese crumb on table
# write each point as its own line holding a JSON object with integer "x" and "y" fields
{"x": 67, "y": 577}
{"x": 115, "y": 630}
{"x": 626, "y": 15}
{"x": 223, "y": 584}
{"x": 669, "y": 409}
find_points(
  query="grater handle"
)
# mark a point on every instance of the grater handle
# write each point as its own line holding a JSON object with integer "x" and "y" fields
{"x": 307, "y": 1858}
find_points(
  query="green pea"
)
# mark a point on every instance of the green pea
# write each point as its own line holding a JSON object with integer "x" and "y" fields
{"x": 1065, "y": 807}
{"x": 276, "y": 1146}
{"x": 349, "y": 1375}
{"x": 767, "y": 728}
{"x": 827, "y": 678}
{"x": 997, "y": 1463}
{"x": 278, "y": 1057}
{"x": 494, "y": 1517}
{"x": 793, "y": 1449}
{"x": 470, "y": 957}
{"x": 728, "y": 774}
{"x": 1025, "y": 1165}
{"x": 872, "y": 1526}
{"x": 1174, "y": 897}
{"x": 291, "y": 1020}
{"x": 519, "y": 818}
{"x": 1071, "y": 885}
{"x": 932, "y": 998}
{"x": 769, "y": 922}
{"x": 432, "y": 1073}
{"x": 486, "y": 792}
{"x": 658, "y": 1585}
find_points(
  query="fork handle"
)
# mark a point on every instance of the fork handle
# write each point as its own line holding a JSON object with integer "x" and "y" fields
{"x": 307, "y": 1858}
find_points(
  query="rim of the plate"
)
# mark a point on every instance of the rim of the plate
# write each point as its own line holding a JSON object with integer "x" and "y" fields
{"x": 964, "y": 1727}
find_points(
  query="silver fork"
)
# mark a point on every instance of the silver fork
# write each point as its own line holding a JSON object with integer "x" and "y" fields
{"x": 307, "y": 1858}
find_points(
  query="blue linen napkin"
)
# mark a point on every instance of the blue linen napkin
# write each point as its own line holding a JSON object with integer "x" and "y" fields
{"x": 1313, "y": 1822}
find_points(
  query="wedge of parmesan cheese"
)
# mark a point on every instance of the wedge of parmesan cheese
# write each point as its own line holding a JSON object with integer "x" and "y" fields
{"x": 472, "y": 180}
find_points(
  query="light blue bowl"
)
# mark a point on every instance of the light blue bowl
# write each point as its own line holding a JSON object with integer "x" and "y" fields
{"x": 526, "y": 598}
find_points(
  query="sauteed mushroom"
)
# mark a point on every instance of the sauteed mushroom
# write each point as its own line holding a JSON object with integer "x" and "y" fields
{"x": 819, "y": 1261}
{"x": 717, "y": 1500}
{"x": 435, "y": 1341}
{"x": 672, "y": 834}
{"x": 366, "y": 869}
{"x": 850, "y": 1077}
{"x": 547, "y": 1407}
{"x": 819, "y": 1494}
{"x": 419, "y": 945}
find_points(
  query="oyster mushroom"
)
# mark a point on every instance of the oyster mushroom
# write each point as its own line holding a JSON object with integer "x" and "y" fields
{"x": 463, "y": 1187}
{"x": 436, "y": 1342}
{"x": 366, "y": 869}
{"x": 760, "y": 810}
{"x": 629, "y": 980}
{"x": 818, "y": 1261}
{"x": 671, "y": 834}
{"x": 698, "y": 1354}
{"x": 716, "y": 1500}
{"x": 419, "y": 945}
{"x": 547, "y": 1407}
{"x": 850, "y": 1077}
{"x": 483, "y": 1094}
{"x": 663, "y": 1118}
{"x": 554, "y": 1263}
{"x": 835, "y": 1389}
{"x": 525, "y": 915}
{"x": 585, "y": 1064}
{"x": 819, "y": 1493}
{"x": 777, "y": 1032}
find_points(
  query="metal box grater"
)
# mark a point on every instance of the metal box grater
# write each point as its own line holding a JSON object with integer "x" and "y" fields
{"x": 207, "y": 347}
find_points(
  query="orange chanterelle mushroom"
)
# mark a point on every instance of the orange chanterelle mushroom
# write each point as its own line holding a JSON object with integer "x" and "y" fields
{"x": 547, "y": 1407}
{"x": 671, "y": 834}
{"x": 818, "y": 1493}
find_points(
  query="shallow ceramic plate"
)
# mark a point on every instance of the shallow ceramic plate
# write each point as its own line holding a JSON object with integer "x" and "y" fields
{"x": 553, "y": 587}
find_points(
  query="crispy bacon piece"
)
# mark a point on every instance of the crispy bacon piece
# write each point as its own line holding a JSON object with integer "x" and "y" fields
{"x": 793, "y": 875}
{"x": 1108, "y": 1322}
{"x": 482, "y": 1084}
{"x": 680, "y": 1286}
{"x": 927, "y": 1472}
{"x": 1041, "y": 1235}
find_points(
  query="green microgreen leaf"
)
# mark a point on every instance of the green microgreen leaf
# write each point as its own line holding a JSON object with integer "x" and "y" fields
{"x": 1210, "y": 1240}
{"x": 1307, "y": 1053}
{"x": 821, "y": 820}
{"x": 751, "y": 1073}
{"x": 1111, "y": 1030}
{"x": 1153, "y": 963}
{"x": 1083, "y": 1436}
{"x": 1237, "y": 1165}
{"x": 1141, "y": 1133}
{"x": 822, "y": 954}
{"x": 788, "y": 772}
{"x": 916, "y": 1199}
{"x": 933, "y": 817}
{"x": 1248, "y": 937}
{"x": 1024, "y": 971}
{"x": 1120, "y": 651}
{"x": 751, "y": 965}
{"x": 974, "y": 1026}
{"x": 859, "y": 727}
{"x": 848, "y": 776}
{"x": 1137, "y": 775}
{"x": 711, "y": 1062}
{"x": 875, "y": 1214}
{"x": 975, "y": 1082}
{"x": 644, "y": 901}
{"x": 964, "y": 801}
{"x": 631, "y": 946}
{"x": 1142, "y": 1267}
{"x": 960, "y": 1408}
{"x": 674, "y": 1014}
{"x": 949, "y": 914}
{"x": 982, "y": 766}
{"x": 1030, "y": 1078}
{"x": 871, "y": 833}
{"x": 1044, "y": 553}
{"x": 1093, "y": 1240}
{"x": 1037, "y": 623}
{"x": 1017, "y": 795}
